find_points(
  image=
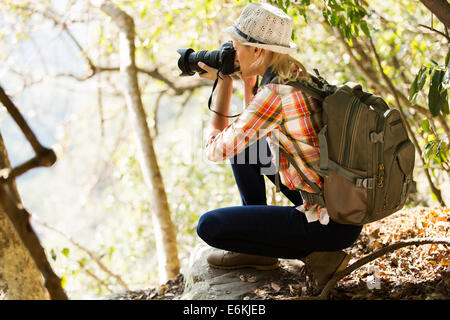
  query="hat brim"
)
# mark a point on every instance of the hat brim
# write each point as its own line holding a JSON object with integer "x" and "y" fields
{"x": 276, "y": 48}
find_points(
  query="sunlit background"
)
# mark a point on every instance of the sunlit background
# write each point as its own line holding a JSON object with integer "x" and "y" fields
{"x": 94, "y": 197}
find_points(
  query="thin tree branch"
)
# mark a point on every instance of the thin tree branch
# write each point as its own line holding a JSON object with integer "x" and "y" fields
{"x": 371, "y": 75}
{"x": 93, "y": 276}
{"x": 358, "y": 264}
{"x": 13, "y": 207}
{"x": 434, "y": 30}
{"x": 381, "y": 252}
{"x": 44, "y": 156}
{"x": 155, "y": 113}
{"x": 89, "y": 252}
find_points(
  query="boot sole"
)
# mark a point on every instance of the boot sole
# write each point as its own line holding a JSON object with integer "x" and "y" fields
{"x": 242, "y": 266}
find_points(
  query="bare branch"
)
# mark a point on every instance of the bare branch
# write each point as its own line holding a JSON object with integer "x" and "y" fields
{"x": 358, "y": 264}
{"x": 93, "y": 276}
{"x": 44, "y": 156}
{"x": 89, "y": 252}
{"x": 434, "y": 30}
{"x": 381, "y": 252}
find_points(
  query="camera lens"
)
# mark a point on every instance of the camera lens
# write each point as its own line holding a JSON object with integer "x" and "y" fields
{"x": 211, "y": 58}
{"x": 222, "y": 59}
{"x": 183, "y": 61}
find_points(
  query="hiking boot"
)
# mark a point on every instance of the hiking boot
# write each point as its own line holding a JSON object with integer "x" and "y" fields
{"x": 234, "y": 260}
{"x": 324, "y": 265}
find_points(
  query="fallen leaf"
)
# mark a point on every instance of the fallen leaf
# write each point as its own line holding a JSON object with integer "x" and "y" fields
{"x": 162, "y": 290}
{"x": 295, "y": 289}
{"x": 275, "y": 286}
{"x": 445, "y": 262}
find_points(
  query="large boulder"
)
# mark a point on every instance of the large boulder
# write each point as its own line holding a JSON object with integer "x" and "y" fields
{"x": 205, "y": 283}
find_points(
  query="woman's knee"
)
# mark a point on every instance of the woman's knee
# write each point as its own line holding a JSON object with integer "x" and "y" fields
{"x": 351, "y": 235}
{"x": 207, "y": 228}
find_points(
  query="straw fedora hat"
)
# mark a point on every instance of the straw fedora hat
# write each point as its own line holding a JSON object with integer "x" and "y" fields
{"x": 264, "y": 26}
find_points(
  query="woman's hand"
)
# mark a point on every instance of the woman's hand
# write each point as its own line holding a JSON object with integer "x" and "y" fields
{"x": 249, "y": 82}
{"x": 211, "y": 133}
{"x": 211, "y": 73}
{"x": 249, "y": 85}
{"x": 225, "y": 91}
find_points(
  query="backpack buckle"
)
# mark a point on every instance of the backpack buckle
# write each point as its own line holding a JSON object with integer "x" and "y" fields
{"x": 377, "y": 137}
{"x": 366, "y": 183}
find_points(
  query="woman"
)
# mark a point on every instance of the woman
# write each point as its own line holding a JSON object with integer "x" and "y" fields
{"x": 254, "y": 234}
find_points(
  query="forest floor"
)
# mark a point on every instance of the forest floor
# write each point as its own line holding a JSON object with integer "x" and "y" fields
{"x": 414, "y": 272}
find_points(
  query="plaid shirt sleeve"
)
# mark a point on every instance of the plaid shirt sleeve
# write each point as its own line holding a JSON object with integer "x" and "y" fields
{"x": 262, "y": 114}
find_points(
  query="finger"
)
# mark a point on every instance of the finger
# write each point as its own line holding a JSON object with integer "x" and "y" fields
{"x": 201, "y": 65}
{"x": 207, "y": 68}
{"x": 204, "y": 66}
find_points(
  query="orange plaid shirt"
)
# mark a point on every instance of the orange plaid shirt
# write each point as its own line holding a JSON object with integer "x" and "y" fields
{"x": 283, "y": 113}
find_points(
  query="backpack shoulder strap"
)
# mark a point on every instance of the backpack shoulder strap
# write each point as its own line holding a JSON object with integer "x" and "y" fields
{"x": 317, "y": 196}
{"x": 303, "y": 86}
{"x": 318, "y": 87}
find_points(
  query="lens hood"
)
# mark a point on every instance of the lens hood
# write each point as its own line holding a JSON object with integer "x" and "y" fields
{"x": 183, "y": 61}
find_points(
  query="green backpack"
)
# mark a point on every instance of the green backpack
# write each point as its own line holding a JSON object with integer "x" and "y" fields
{"x": 366, "y": 156}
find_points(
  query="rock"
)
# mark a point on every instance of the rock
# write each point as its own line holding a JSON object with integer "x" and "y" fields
{"x": 205, "y": 283}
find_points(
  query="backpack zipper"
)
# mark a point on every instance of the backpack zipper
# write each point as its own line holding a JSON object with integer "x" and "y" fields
{"x": 352, "y": 146}
{"x": 349, "y": 133}
{"x": 381, "y": 128}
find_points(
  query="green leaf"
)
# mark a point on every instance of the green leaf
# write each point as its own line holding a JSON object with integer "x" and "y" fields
{"x": 429, "y": 149}
{"x": 445, "y": 109}
{"x": 365, "y": 28}
{"x": 418, "y": 83}
{"x": 63, "y": 281}
{"x": 413, "y": 90}
{"x": 426, "y": 125}
{"x": 144, "y": 12}
{"x": 280, "y": 4}
{"x": 53, "y": 254}
{"x": 434, "y": 197}
{"x": 438, "y": 150}
{"x": 436, "y": 95}
{"x": 422, "y": 77}
{"x": 65, "y": 252}
{"x": 333, "y": 18}
{"x": 447, "y": 57}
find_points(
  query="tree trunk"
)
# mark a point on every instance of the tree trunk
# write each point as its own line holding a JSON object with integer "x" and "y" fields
{"x": 440, "y": 8}
{"x": 20, "y": 279}
{"x": 166, "y": 245}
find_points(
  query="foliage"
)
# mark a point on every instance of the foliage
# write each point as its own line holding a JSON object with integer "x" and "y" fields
{"x": 122, "y": 236}
{"x": 347, "y": 15}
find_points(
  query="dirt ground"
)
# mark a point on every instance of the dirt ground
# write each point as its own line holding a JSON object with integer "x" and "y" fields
{"x": 411, "y": 273}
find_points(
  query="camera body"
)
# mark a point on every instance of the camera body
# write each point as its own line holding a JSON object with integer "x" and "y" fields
{"x": 222, "y": 59}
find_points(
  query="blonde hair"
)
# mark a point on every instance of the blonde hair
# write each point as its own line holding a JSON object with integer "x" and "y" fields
{"x": 286, "y": 67}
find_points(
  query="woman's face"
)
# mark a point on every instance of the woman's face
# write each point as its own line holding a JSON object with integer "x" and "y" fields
{"x": 245, "y": 57}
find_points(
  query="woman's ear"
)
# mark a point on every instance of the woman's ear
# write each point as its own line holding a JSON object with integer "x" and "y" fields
{"x": 258, "y": 52}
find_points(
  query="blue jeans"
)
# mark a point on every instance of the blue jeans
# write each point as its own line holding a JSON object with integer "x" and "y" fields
{"x": 273, "y": 231}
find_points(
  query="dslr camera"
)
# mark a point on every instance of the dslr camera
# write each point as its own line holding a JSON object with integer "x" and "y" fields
{"x": 222, "y": 59}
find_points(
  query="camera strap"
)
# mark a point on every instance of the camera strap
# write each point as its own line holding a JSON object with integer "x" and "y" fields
{"x": 210, "y": 99}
